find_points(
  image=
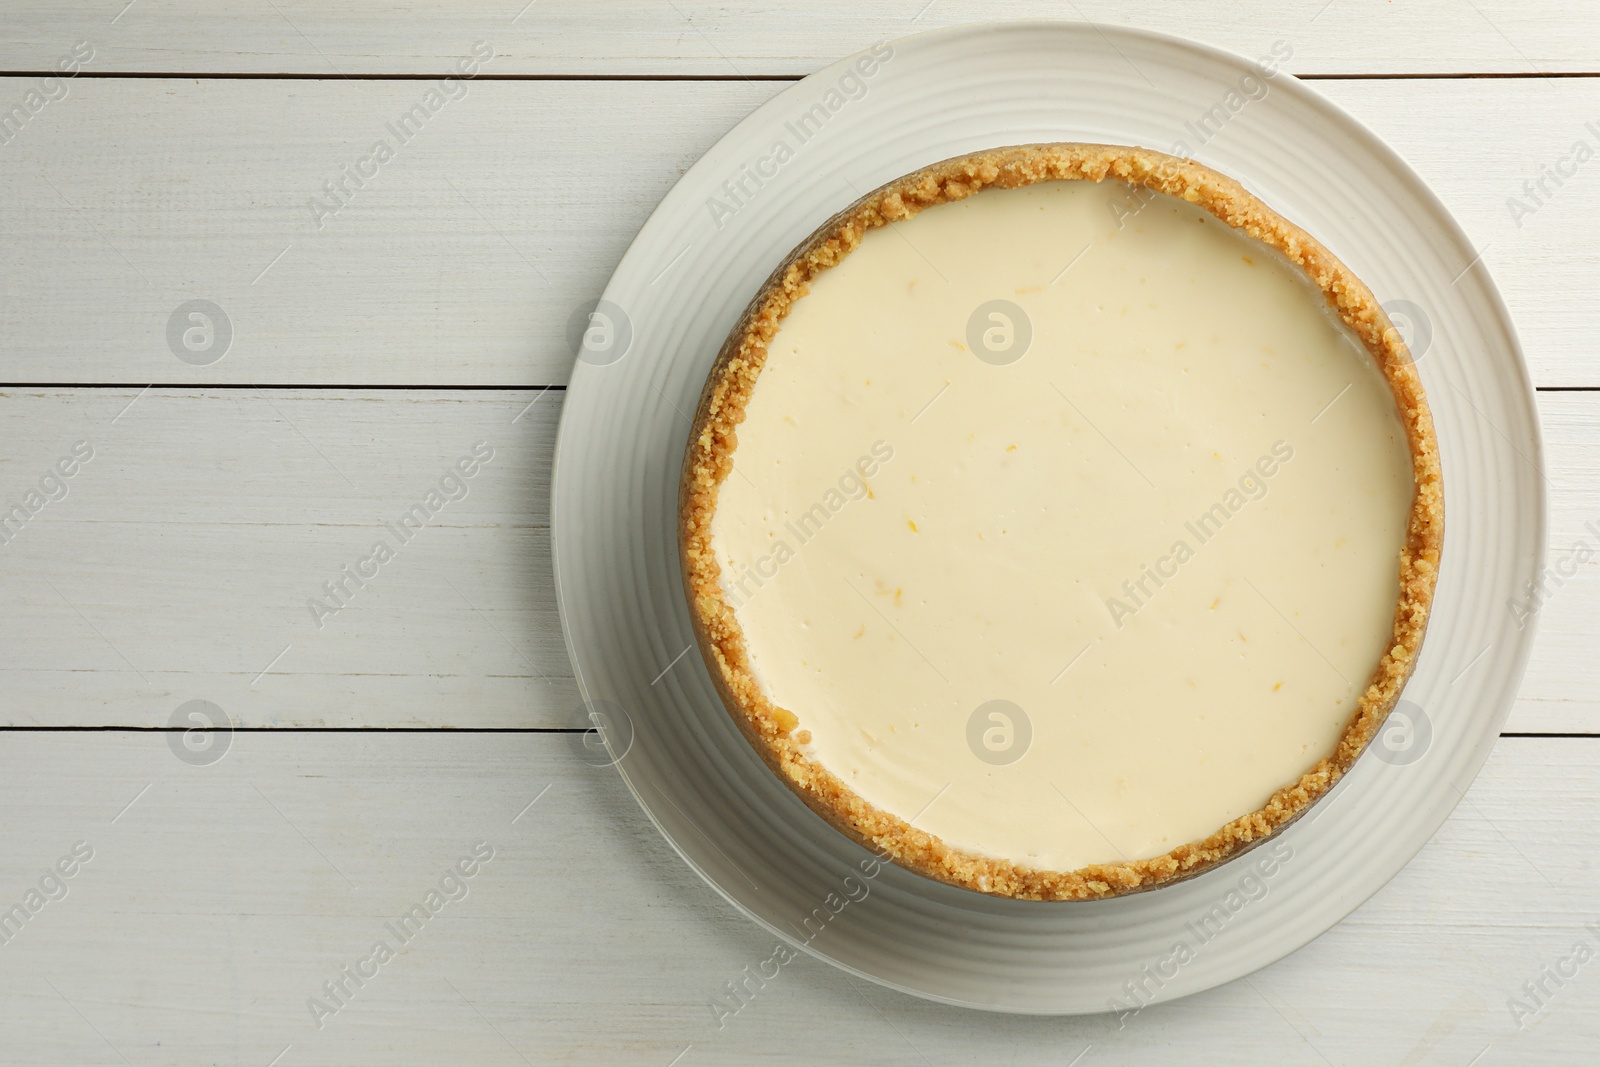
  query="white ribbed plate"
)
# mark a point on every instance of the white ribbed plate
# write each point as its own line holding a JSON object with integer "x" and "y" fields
{"x": 683, "y": 284}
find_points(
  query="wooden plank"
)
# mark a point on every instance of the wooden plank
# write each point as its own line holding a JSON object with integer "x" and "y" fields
{"x": 1561, "y": 691}
{"x": 696, "y": 37}
{"x": 183, "y": 557}
{"x": 460, "y": 262}
{"x": 219, "y": 902}
{"x": 463, "y": 260}
{"x": 181, "y": 560}
{"x": 1535, "y": 243}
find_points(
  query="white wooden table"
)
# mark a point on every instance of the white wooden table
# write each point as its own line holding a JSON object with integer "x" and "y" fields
{"x": 376, "y": 747}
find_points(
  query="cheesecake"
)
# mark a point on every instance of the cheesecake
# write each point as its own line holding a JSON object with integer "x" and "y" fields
{"x": 1061, "y": 521}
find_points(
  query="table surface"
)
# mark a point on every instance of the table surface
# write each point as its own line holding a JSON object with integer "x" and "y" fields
{"x": 223, "y": 903}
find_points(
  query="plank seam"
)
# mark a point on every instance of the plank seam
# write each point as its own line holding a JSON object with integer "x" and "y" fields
{"x": 430, "y": 387}
{"x": 302, "y": 729}
{"x": 103, "y": 75}
{"x": 279, "y": 385}
{"x": 1513, "y": 735}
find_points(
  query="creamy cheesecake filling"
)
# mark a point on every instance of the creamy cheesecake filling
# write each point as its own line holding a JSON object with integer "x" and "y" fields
{"x": 1066, "y": 521}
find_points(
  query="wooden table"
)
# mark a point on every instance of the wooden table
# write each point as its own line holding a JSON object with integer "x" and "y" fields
{"x": 224, "y": 902}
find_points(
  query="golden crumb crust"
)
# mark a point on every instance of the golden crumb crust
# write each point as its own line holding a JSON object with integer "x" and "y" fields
{"x": 772, "y": 729}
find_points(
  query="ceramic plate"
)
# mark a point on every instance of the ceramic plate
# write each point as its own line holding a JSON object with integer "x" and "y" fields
{"x": 679, "y": 290}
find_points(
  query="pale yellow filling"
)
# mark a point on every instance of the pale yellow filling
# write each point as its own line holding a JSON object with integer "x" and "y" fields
{"x": 1086, "y": 600}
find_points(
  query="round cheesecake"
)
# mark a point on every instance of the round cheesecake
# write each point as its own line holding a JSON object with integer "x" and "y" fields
{"x": 1060, "y": 521}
